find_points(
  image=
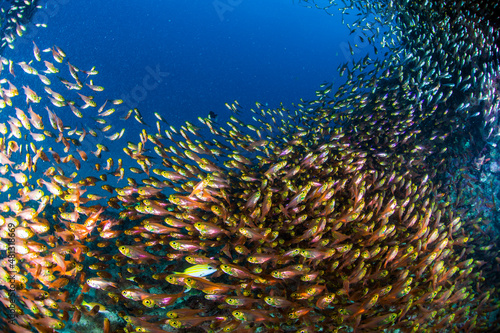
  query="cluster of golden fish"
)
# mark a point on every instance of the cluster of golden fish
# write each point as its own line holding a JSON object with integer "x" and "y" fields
{"x": 350, "y": 213}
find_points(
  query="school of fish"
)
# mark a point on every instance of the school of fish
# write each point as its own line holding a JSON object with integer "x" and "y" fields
{"x": 358, "y": 211}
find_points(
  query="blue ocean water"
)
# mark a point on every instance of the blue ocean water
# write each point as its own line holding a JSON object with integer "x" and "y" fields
{"x": 208, "y": 52}
{"x": 183, "y": 59}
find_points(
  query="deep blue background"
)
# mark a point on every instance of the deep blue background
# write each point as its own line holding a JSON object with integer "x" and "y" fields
{"x": 211, "y": 53}
{"x": 258, "y": 50}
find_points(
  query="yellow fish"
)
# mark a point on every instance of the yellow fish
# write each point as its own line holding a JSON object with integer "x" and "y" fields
{"x": 90, "y": 306}
{"x": 198, "y": 270}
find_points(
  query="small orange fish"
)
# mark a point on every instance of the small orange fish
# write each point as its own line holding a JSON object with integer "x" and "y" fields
{"x": 206, "y": 286}
{"x": 253, "y": 315}
{"x": 135, "y": 294}
{"x": 31, "y": 95}
{"x": 99, "y": 283}
{"x": 188, "y": 322}
{"x": 134, "y": 252}
{"x": 161, "y": 300}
